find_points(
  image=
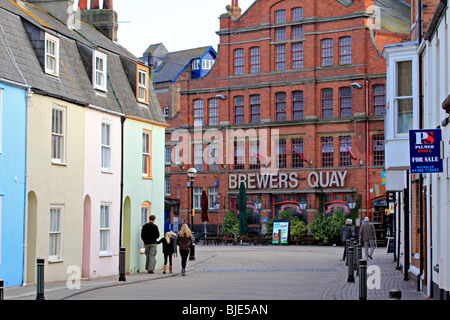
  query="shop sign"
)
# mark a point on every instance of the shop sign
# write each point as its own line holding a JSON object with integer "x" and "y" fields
{"x": 334, "y": 179}
{"x": 264, "y": 181}
{"x": 425, "y": 151}
{"x": 327, "y": 179}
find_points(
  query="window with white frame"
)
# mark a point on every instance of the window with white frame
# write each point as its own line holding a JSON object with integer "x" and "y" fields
{"x": 58, "y": 134}
{"x": 167, "y": 186}
{"x": 55, "y": 232}
{"x": 142, "y": 93}
{"x": 145, "y": 214}
{"x": 105, "y": 229}
{"x": 177, "y": 154}
{"x": 196, "y": 64}
{"x": 167, "y": 155}
{"x": 146, "y": 161}
{"x": 100, "y": 71}
{"x": 51, "y": 55}
{"x": 106, "y": 147}
{"x": 207, "y": 64}
{"x": 166, "y": 112}
{"x": 404, "y": 97}
{"x": 212, "y": 194}
{"x": 198, "y": 198}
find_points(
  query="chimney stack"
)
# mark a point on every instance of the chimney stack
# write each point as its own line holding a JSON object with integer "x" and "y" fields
{"x": 104, "y": 20}
{"x": 60, "y": 9}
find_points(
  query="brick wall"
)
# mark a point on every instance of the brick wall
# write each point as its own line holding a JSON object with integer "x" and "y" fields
{"x": 257, "y": 28}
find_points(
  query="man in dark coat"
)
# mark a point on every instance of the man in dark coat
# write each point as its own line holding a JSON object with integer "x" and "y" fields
{"x": 150, "y": 235}
{"x": 368, "y": 237}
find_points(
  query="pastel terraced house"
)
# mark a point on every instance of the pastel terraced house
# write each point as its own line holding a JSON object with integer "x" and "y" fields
{"x": 91, "y": 99}
{"x": 13, "y": 100}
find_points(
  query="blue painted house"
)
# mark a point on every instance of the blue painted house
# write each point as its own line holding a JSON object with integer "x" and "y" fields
{"x": 12, "y": 176}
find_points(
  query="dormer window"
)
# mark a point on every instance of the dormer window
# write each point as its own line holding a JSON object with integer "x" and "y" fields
{"x": 51, "y": 55}
{"x": 100, "y": 71}
{"x": 142, "y": 88}
{"x": 196, "y": 64}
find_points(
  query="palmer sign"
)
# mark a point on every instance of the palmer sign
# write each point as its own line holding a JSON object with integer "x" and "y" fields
{"x": 287, "y": 180}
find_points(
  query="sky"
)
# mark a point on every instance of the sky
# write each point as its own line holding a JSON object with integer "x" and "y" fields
{"x": 178, "y": 24}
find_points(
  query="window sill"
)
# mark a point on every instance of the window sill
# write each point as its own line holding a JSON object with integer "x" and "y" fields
{"x": 105, "y": 171}
{"x": 105, "y": 255}
{"x": 54, "y": 261}
{"x": 56, "y": 163}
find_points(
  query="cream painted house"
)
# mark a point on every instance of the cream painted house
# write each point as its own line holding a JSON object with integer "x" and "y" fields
{"x": 55, "y": 186}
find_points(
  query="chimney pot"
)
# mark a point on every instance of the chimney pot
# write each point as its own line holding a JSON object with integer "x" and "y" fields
{"x": 108, "y": 4}
{"x": 82, "y": 4}
{"x": 95, "y": 4}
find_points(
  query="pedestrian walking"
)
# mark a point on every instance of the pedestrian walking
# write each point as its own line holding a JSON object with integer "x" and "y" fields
{"x": 367, "y": 237}
{"x": 348, "y": 232}
{"x": 150, "y": 235}
{"x": 184, "y": 241}
{"x": 168, "y": 250}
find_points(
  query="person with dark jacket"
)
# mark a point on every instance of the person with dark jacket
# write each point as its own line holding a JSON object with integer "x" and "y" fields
{"x": 168, "y": 250}
{"x": 347, "y": 233}
{"x": 367, "y": 236}
{"x": 150, "y": 235}
{"x": 184, "y": 241}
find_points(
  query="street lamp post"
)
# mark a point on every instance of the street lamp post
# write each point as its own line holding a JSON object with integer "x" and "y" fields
{"x": 192, "y": 173}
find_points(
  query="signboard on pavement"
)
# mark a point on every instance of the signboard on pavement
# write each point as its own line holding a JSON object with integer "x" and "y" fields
{"x": 283, "y": 226}
{"x": 425, "y": 151}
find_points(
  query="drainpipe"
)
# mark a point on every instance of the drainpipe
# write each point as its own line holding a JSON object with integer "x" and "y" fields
{"x": 28, "y": 96}
{"x": 367, "y": 148}
{"x": 421, "y": 238}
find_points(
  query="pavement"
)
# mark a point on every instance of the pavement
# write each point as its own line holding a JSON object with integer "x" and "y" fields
{"x": 382, "y": 274}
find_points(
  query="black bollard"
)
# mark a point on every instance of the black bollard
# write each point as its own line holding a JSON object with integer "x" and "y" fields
{"x": 279, "y": 237}
{"x": 2, "y": 284}
{"x": 347, "y": 245}
{"x": 40, "y": 279}
{"x": 122, "y": 260}
{"x": 192, "y": 250}
{"x": 351, "y": 276}
{"x": 358, "y": 257}
{"x": 235, "y": 237}
{"x": 362, "y": 279}
{"x": 395, "y": 294}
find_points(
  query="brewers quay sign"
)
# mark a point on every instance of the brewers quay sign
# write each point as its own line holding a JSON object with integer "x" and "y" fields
{"x": 287, "y": 180}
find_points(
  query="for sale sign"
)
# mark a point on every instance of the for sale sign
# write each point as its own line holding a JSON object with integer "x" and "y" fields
{"x": 425, "y": 151}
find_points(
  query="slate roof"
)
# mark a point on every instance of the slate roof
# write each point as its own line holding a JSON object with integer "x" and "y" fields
{"x": 175, "y": 62}
{"x": 395, "y": 15}
{"x": 74, "y": 84}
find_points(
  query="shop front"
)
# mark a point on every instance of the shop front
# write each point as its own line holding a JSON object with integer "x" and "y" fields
{"x": 297, "y": 192}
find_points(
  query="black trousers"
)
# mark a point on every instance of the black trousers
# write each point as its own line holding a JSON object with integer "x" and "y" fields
{"x": 184, "y": 255}
{"x": 167, "y": 256}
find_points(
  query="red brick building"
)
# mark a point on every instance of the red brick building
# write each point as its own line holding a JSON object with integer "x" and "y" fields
{"x": 302, "y": 83}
